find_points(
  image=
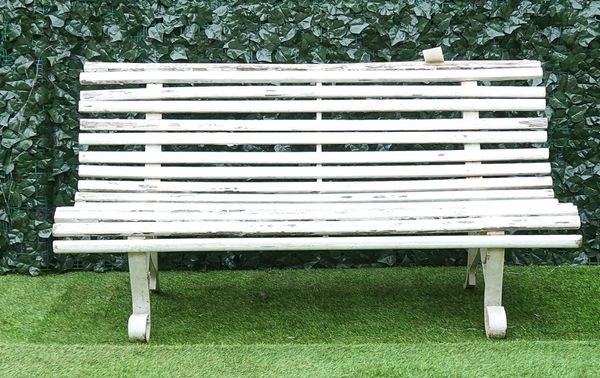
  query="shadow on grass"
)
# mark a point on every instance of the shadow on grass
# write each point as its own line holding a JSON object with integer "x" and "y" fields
{"x": 324, "y": 306}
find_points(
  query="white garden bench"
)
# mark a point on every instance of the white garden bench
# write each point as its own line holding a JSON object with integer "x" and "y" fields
{"x": 158, "y": 189}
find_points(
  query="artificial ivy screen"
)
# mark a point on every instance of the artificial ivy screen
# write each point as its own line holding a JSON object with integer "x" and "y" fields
{"x": 44, "y": 44}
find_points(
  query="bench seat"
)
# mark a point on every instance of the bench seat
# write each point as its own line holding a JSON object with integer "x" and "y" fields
{"x": 254, "y": 157}
{"x": 310, "y": 214}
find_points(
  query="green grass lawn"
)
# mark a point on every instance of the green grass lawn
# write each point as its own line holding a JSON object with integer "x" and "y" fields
{"x": 359, "y": 322}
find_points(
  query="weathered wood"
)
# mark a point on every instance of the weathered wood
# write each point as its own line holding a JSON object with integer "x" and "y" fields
{"x": 312, "y": 187}
{"x": 306, "y": 91}
{"x": 472, "y": 148}
{"x": 510, "y": 154}
{"x": 433, "y": 55}
{"x": 153, "y": 281}
{"x": 245, "y": 67}
{"x": 315, "y": 197}
{"x": 377, "y": 211}
{"x": 112, "y": 124}
{"x": 309, "y": 106}
{"x": 206, "y": 138}
{"x": 472, "y": 264}
{"x": 279, "y": 206}
{"x": 318, "y": 243}
{"x": 338, "y": 76}
{"x": 316, "y": 227}
{"x": 492, "y": 261}
{"x": 139, "y": 321}
{"x": 331, "y": 172}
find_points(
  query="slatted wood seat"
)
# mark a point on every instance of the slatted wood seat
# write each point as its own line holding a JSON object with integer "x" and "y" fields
{"x": 353, "y": 156}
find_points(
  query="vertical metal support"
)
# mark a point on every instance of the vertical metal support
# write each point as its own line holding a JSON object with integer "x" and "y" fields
{"x": 319, "y": 117}
{"x": 472, "y": 253}
{"x": 153, "y": 283}
{"x": 472, "y": 264}
{"x": 319, "y": 147}
{"x": 153, "y": 149}
{"x": 139, "y": 321}
{"x": 492, "y": 261}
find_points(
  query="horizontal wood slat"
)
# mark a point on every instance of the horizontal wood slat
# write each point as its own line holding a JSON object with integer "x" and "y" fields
{"x": 318, "y": 243}
{"x": 312, "y": 106}
{"x": 385, "y": 66}
{"x": 313, "y": 125}
{"x": 298, "y": 172}
{"x": 313, "y": 157}
{"x": 374, "y": 227}
{"x": 295, "y": 138}
{"x": 306, "y": 91}
{"x": 313, "y": 197}
{"x": 377, "y": 212}
{"x": 320, "y": 187}
{"x": 272, "y": 76}
{"x": 300, "y": 206}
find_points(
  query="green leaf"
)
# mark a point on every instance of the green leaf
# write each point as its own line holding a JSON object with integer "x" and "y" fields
{"x": 551, "y": 32}
{"x": 289, "y": 35}
{"x": 14, "y": 31}
{"x": 79, "y": 29}
{"x": 358, "y": 27}
{"x": 214, "y": 31}
{"x": 56, "y": 22}
{"x": 263, "y": 55}
{"x": 156, "y": 32}
{"x": 189, "y": 32}
{"x": 221, "y": 11}
{"x": 178, "y": 53}
{"x": 45, "y": 233}
{"x": 305, "y": 23}
{"x": 398, "y": 37}
{"x": 114, "y": 32}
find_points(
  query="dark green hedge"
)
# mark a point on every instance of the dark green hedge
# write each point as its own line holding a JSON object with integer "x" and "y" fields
{"x": 44, "y": 44}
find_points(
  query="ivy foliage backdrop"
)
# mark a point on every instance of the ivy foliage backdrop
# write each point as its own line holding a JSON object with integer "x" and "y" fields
{"x": 44, "y": 44}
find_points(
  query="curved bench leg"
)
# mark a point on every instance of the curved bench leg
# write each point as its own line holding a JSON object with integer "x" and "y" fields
{"x": 139, "y": 321}
{"x": 472, "y": 264}
{"x": 492, "y": 261}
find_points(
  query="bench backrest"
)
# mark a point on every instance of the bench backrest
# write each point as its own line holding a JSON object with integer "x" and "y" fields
{"x": 329, "y": 128}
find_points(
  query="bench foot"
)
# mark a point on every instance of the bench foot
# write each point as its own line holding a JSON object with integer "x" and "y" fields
{"x": 138, "y": 327}
{"x": 495, "y": 322}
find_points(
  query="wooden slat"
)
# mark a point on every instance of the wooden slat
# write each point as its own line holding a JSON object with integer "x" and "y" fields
{"x": 313, "y": 125}
{"x": 311, "y": 106}
{"x": 215, "y": 207}
{"x": 297, "y": 91}
{"x": 318, "y": 243}
{"x": 305, "y": 206}
{"x": 410, "y": 65}
{"x": 313, "y": 198}
{"x": 377, "y": 212}
{"x": 295, "y": 138}
{"x": 313, "y": 157}
{"x": 372, "y": 227}
{"x": 310, "y": 186}
{"x": 273, "y": 76}
{"x": 330, "y": 172}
